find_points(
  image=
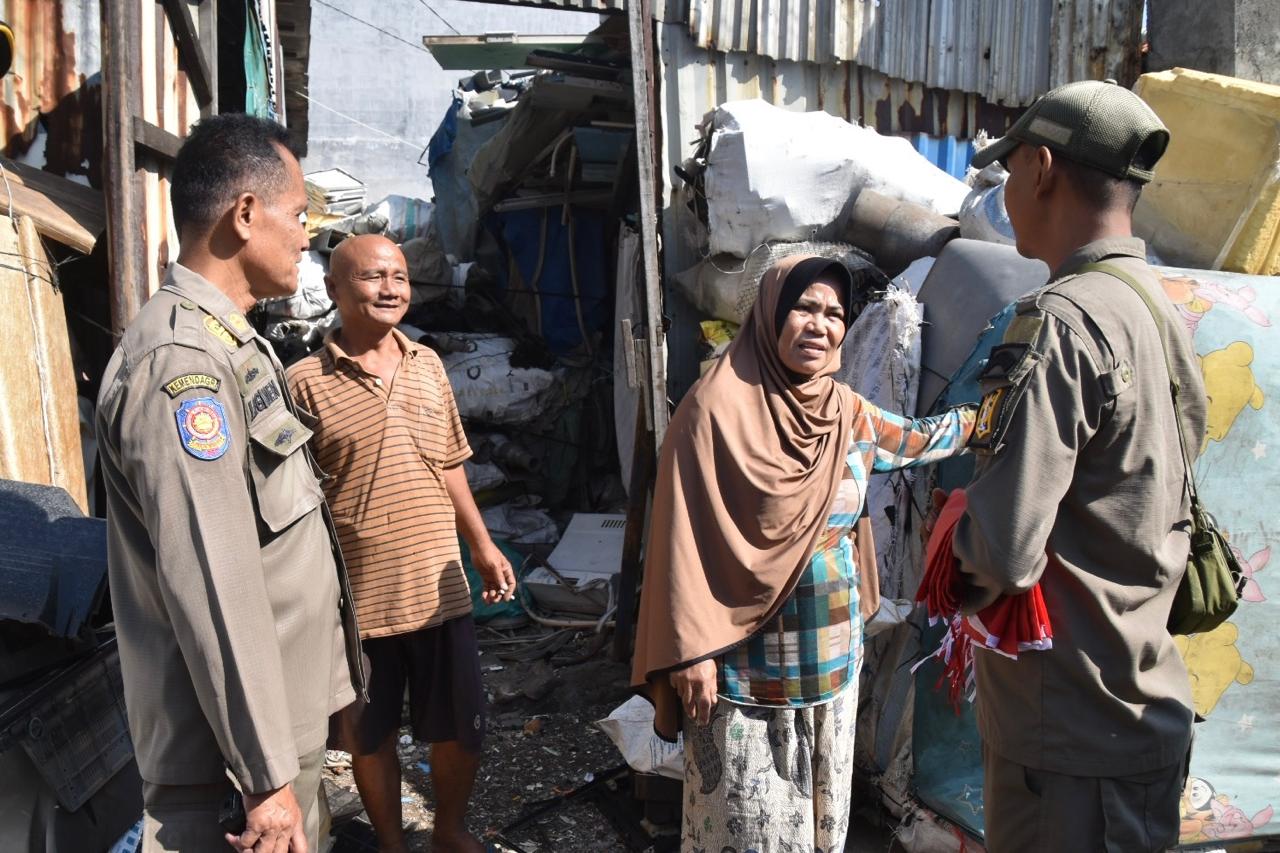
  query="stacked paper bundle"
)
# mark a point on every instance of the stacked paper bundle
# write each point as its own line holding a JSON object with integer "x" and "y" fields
{"x": 335, "y": 193}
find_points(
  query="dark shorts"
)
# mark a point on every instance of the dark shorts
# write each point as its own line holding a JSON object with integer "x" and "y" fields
{"x": 441, "y": 667}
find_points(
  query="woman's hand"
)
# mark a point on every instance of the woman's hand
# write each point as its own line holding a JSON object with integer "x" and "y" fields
{"x": 696, "y": 687}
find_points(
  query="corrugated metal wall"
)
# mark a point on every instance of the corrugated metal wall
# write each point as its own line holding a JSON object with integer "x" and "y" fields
{"x": 1008, "y": 51}
{"x": 569, "y": 5}
{"x": 52, "y": 98}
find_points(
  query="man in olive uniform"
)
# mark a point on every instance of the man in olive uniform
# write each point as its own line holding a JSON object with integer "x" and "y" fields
{"x": 1080, "y": 487}
{"x": 226, "y": 581}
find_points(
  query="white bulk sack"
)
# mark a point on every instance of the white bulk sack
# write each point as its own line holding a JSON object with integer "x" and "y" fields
{"x": 880, "y": 360}
{"x": 773, "y": 174}
{"x": 630, "y": 727}
{"x": 488, "y": 389}
{"x": 983, "y": 215}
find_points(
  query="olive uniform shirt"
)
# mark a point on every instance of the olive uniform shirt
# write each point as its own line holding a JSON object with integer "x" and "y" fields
{"x": 226, "y": 581}
{"x": 1080, "y": 486}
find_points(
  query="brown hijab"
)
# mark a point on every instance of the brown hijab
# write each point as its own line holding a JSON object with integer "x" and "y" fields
{"x": 748, "y": 472}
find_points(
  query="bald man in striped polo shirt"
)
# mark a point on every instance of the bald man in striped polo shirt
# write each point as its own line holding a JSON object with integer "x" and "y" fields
{"x": 388, "y": 435}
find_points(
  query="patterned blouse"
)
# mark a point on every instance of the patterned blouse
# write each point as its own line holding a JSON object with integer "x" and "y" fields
{"x": 809, "y": 650}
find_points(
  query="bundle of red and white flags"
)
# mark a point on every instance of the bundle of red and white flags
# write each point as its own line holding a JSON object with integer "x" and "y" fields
{"x": 1009, "y": 626}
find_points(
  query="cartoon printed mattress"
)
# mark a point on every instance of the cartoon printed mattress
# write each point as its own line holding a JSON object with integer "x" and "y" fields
{"x": 1235, "y": 669}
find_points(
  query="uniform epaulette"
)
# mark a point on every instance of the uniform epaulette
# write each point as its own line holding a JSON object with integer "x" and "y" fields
{"x": 187, "y": 328}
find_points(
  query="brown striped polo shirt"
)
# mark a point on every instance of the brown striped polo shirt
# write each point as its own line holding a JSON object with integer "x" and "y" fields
{"x": 385, "y": 451}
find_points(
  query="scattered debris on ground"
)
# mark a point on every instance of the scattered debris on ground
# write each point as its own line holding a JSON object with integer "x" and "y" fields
{"x": 542, "y": 743}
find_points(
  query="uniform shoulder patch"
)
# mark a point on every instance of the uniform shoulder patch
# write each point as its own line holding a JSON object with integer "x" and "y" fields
{"x": 219, "y": 331}
{"x": 202, "y": 428}
{"x": 190, "y": 381}
{"x": 1003, "y": 381}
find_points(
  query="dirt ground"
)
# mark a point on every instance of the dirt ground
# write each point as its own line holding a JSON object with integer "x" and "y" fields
{"x": 542, "y": 746}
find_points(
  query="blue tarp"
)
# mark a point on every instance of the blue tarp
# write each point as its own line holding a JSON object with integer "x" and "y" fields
{"x": 544, "y": 267}
{"x": 442, "y": 140}
{"x": 948, "y": 153}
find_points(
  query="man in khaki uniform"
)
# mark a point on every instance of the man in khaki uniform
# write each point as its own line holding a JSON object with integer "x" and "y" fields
{"x": 226, "y": 582}
{"x": 1080, "y": 487}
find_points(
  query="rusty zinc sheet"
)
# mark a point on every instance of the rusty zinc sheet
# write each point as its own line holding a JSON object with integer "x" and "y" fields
{"x": 52, "y": 103}
{"x": 1008, "y": 51}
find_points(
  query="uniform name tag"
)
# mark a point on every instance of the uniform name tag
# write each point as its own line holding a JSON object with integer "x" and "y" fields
{"x": 189, "y": 381}
{"x": 263, "y": 398}
{"x": 202, "y": 428}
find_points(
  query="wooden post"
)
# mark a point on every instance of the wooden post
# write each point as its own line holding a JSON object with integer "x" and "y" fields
{"x": 190, "y": 53}
{"x": 651, "y": 420}
{"x": 209, "y": 46}
{"x": 639, "y": 15}
{"x": 642, "y": 466}
{"x": 120, "y": 39}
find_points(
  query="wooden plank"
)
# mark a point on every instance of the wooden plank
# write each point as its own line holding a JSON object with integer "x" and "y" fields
{"x": 642, "y": 470}
{"x": 209, "y": 41}
{"x": 189, "y": 50}
{"x": 156, "y": 140}
{"x": 61, "y": 210}
{"x": 39, "y": 421}
{"x": 120, "y": 37}
{"x": 643, "y": 83}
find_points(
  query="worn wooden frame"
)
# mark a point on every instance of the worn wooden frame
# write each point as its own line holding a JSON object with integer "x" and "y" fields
{"x": 160, "y": 74}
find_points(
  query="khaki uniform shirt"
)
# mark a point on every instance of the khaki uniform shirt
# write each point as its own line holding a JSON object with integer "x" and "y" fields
{"x": 225, "y": 578}
{"x": 384, "y": 451}
{"x": 1080, "y": 486}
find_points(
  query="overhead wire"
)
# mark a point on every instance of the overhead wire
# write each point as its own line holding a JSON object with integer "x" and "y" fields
{"x": 374, "y": 26}
{"x": 354, "y": 120}
{"x": 432, "y": 10}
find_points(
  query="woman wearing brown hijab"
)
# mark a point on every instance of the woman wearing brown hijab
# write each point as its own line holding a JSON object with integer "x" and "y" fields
{"x": 747, "y": 635}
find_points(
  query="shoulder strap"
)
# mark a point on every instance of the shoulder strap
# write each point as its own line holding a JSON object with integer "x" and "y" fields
{"x": 1174, "y": 386}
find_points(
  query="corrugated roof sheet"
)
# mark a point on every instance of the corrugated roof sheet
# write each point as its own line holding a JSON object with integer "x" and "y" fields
{"x": 571, "y": 5}
{"x": 1008, "y": 51}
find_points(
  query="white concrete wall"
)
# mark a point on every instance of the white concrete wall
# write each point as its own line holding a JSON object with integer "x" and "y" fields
{"x": 390, "y": 92}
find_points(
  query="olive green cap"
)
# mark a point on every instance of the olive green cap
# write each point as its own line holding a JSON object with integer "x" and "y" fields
{"x": 1093, "y": 123}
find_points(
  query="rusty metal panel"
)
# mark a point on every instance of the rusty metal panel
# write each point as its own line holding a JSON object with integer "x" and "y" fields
{"x": 1008, "y": 51}
{"x": 52, "y": 100}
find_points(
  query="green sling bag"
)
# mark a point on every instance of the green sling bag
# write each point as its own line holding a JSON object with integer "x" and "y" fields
{"x": 1211, "y": 587}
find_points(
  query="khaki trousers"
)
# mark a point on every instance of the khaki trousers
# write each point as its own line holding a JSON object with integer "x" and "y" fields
{"x": 1035, "y": 810}
{"x": 184, "y": 818}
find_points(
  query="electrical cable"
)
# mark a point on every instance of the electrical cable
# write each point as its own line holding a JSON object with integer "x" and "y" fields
{"x": 441, "y": 17}
{"x": 353, "y": 120}
{"x": 373, "y": 26}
